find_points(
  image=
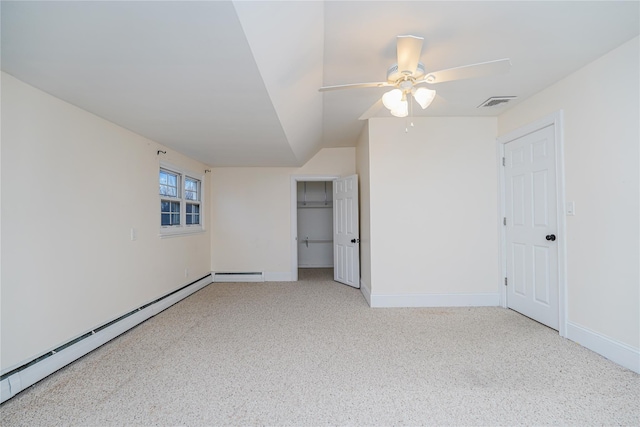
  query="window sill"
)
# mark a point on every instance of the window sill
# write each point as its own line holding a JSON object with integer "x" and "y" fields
{"x": 179, "y": 231}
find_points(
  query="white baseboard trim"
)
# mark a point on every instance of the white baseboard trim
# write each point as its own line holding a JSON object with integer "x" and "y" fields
{"x": 436, "y": 300}
{"x": 266, "y": 276}
{"x": 225, "y": 277}
{"x": 21, "y": 379}
{"x": 613, "y": 350}
{"x": 278, "y": 276}
{"x": 366, "y": 291}
{"x": 315, "y": 266}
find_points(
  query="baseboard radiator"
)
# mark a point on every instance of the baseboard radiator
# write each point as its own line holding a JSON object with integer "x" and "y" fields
{"x": 244, "y": 276}
{"x": 22, "y": 377}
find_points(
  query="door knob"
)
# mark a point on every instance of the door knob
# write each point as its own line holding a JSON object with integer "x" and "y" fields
{"x": 358, "y": 240}
{"x": 551, "y": 237}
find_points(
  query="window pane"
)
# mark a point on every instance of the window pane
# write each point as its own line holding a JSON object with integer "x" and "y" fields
{"x": 168, "y": 183}
{"x": 191, "y": 189}
{"x": 193, "y": 212}
{"x": 166, "y": 190}
{"x": 168, "y": 206}
{"x": 169, "y": 213}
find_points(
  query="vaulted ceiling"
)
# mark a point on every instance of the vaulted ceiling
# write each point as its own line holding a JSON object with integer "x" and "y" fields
{"x": 236, "y": 83}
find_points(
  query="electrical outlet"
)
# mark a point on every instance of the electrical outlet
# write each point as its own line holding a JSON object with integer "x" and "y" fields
{"x": 571, "y": 208}
{"x": 134, "y": 234}
{"x": 186, "y": 272}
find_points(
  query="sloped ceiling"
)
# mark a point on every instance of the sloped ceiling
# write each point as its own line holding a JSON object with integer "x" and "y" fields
{"x": 236, "y": 83}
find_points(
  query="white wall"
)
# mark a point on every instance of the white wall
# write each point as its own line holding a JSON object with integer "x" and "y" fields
{"x": 601, "y": 105}
{"x": 73, "y": 186}
{"x": 433, "y": 211}
{"x": 251, "y": 213}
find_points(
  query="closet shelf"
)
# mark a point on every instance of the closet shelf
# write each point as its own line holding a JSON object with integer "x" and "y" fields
{"x": 315, "y": 203}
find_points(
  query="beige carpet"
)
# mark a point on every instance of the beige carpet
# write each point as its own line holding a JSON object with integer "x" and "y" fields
{"x": 313, "y": 353}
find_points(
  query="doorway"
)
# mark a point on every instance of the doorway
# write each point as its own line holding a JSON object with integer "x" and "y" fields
{"x": 312, "y": 203}
{"x": 315, "y": 224}
{"x": 533, "y": 222}
{"x": 313, "y": 182}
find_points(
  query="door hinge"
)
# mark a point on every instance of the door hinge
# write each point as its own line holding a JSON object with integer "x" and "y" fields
{"x": 505, "y": 281}
{"x": 504, "y": 162}
{"x": 504, "y": 221}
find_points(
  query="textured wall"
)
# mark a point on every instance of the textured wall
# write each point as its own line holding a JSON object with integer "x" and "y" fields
{"x": 73, "y": 186}
{"x": 251, "y": 212}
{"x": 601, "y": 107}
{"x": 433, "y": 206}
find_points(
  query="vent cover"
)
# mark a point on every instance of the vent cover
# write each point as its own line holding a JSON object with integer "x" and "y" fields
{"x": 496, "y": 100}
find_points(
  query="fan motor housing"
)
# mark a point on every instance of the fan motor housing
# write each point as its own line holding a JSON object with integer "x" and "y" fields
{"x": 393, "y": 75}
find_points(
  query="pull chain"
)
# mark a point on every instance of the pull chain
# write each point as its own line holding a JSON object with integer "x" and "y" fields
{"x": 409, "y": 120}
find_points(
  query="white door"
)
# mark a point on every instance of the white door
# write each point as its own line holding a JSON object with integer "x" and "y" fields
{"x": 531, "y": 226}
{"x": 346, "y": 241}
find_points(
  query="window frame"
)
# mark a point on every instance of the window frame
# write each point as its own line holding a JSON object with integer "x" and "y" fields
{"x": 182, "y": 228}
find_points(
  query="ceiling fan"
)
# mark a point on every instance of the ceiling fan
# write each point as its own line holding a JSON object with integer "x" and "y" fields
{"x": 409, "y": 72}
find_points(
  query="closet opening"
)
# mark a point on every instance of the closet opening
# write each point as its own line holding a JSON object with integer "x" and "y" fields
{"x": 315, "y": 224}
{"x": 312, "y": 243}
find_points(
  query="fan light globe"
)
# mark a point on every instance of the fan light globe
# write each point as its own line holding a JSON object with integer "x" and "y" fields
{"x": 401, "y": 109}
{"x": 424, "y": 96}
{"x": 396, "y": 102}
{"x": 392, "y": 99}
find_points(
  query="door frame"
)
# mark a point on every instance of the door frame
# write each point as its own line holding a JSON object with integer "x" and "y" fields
{"x": 294, "y": 215}
{"x": 557, "y": 121}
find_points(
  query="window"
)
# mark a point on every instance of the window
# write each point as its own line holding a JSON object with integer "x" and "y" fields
{"x": 192, "y": 195}
{"x": 180, "y": 202}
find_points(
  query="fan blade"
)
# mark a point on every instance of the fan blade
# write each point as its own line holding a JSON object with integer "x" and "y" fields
{"x": 372, "y": 111}
{"x": 408, "y": 51}
{"x": 482, "y": 69}
{"x": 354, "y": 86}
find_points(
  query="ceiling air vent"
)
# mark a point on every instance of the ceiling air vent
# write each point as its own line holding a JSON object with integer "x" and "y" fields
{"x": 496, "y": 100}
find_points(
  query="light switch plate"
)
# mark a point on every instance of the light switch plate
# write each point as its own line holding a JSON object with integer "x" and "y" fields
{"x": 571, "y": 208}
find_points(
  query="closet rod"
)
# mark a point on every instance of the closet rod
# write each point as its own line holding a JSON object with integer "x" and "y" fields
{"x": 307, "y": 241}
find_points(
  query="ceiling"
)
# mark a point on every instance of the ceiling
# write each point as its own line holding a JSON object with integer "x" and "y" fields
{"x": 236, "y": 83}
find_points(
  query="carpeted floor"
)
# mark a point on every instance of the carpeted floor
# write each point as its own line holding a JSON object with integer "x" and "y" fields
{"x": 313, "y": 353}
